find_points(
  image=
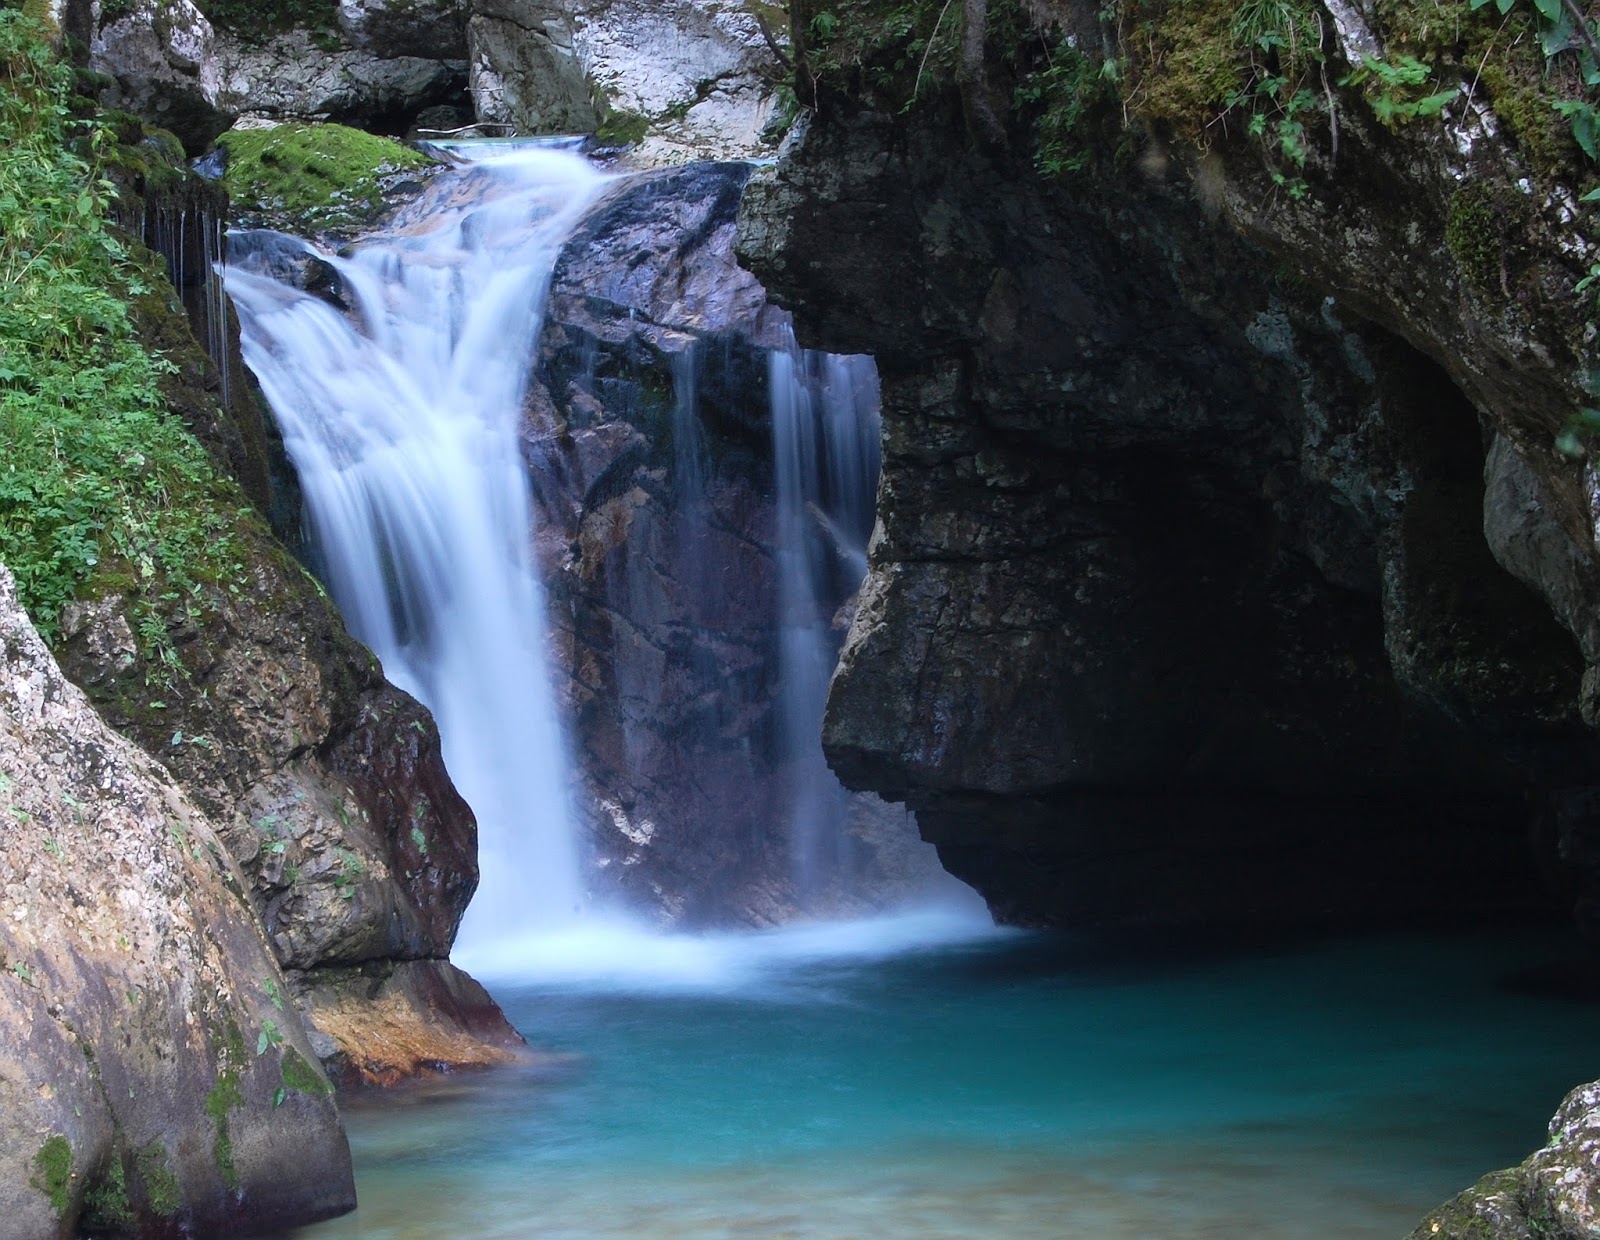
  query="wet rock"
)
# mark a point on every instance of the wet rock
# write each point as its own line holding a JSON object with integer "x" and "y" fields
{"x": 388, "y": 1022}
{"x": 649, "y": 438}
{"x": 1180, "y": 609}
{"x": 325, "y": 783}
{"x": 155, "y": 1077}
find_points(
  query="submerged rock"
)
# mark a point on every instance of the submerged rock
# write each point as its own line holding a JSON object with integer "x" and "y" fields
{"x": 156, "y": 1079}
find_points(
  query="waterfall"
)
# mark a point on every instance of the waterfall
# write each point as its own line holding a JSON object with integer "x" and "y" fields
{"x": 401, "y": 412}
{"x": 825, "y": 434}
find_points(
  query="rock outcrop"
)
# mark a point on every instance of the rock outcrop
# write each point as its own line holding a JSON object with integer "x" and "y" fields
{"x": 1548, "y": 1197}
{"x": 685, "y": 79}
{"x": 303, "y": 74}
{"x": 650, "y": 442}
{"x": 155, "y": 1080}
{"x": 161, "y": 58}
{"x": 1182, "y": 608}
{"x": 525, "y": 71}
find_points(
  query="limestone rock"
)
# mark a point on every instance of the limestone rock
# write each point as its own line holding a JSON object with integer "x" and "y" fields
{"x": 290, "y": 75}
{"x": 525, "y": 70}
{"x": 161, "y": 57}
{"x": 395, "y": 28}
{"x": 698, "y": 69}
{"x": 155, "y": 1076}
{"x": 696, "y": 75}
{"x": 1549, "y": 1197}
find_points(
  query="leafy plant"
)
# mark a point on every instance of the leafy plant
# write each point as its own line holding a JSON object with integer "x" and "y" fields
{"x": 270, "y": 1037}
{"x": 101, "y": 488}
{"x": 1393, "y": 88}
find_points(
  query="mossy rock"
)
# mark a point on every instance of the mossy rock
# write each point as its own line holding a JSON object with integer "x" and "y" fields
{"x": 310, "y": 178}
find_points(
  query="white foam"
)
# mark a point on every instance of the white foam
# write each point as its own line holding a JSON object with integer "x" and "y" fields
{"x": 615, "y": 955}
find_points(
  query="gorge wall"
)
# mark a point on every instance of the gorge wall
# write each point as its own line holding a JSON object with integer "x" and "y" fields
{"x": 1190, "y": 603}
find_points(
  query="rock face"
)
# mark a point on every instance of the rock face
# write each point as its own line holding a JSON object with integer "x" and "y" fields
{"x": 156, "y": 1080}
{"x": 650, "y": 445}
{"x": 161, "y": 57}
{"x": 694, "y": 79}
{"x": 306, "y": 74}
{"x": 524, "y": 69}
{"x": 1548, "y": 1197}
{"x": 1182, "y": 608}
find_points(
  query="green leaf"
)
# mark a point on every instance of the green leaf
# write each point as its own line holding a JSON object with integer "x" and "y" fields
{"x": 1432, "y": 105}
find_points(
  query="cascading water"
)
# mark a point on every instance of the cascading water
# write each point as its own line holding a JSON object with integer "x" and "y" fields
{"x": 825, "y": 430}
{"x": 402, "y": 416}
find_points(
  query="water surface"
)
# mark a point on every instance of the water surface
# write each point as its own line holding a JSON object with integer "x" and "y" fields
{"x": 803, "y": 1084}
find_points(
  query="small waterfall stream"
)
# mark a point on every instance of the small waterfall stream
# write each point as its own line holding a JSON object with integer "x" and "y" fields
{"x": 402, "y": 416}
{"x": 825, "y": 432}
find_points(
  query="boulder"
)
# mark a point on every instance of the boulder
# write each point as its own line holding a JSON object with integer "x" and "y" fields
{"x": 157, "y": 1079}
{"x": 1549, "y": 1197}
{"x": 161, "y": 58}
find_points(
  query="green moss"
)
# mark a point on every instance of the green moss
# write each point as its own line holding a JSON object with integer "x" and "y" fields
{"x": 225, "y": 1097}
{"x": 105, "y": 1204}
{"x": 622, "y": 128}
{"x": 324, "y": 176}
{"x": 1478, "y": 230}
{"x": 162, "y": 1192}
{"x": 300, "y": 1076}
{"x": 1188, "y": 65}
{"x": 53, "y": 1172}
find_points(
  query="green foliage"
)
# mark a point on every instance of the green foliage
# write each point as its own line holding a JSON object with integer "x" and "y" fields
{"x": 622, "y": 128}
{"x": 105, "y": 1205}
{"x": 100, "y": 487}
{"x": 270, "y": 1037}
{"x": 1563, "y": 32}
{"x": 324, "y": 176}
{"x": 350, "y": 871}
{"x": 1394, "y": 89}
{"x": 257, "y": 20}
{"x": 53, "y": 1172}
{"x": 1064, "y": 98}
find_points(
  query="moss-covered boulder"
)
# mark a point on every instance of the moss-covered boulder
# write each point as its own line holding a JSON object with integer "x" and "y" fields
{"x": 1551, "y": 1196}
{"x": 315, "y": 179}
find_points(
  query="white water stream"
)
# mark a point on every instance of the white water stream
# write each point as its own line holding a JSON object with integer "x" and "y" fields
{"x": 402, "y": 418}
